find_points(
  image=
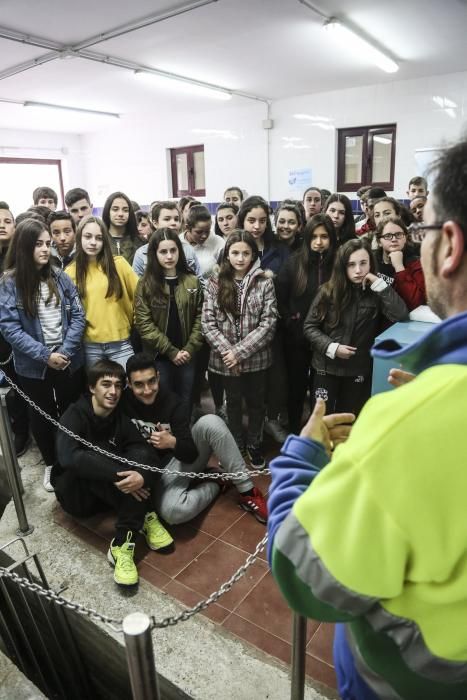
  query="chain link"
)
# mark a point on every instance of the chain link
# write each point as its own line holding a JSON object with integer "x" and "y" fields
{"x": 224, "y": 588}
{"x": 2, "y": 364}
{"x": 222, "y": 476}
{"x": 116, "y": 625}
{"x": 49, "y": 594}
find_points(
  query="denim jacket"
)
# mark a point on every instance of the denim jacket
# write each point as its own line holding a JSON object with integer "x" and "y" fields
{"x": 30, "y": 354}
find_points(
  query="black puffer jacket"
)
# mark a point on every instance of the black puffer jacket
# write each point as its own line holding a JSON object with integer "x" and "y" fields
{"x": 358, "y": 326}
{"x": 293, "y": 308}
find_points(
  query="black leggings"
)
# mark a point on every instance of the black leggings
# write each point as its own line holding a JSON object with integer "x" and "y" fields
{"x": 53, "y": 394}
{"x": 216, "y": 383}
{"x": 342, "y": 394}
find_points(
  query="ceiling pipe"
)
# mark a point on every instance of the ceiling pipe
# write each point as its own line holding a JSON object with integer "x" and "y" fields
{"x": 131, "y": 66}
{"x": 140, "y": 24}
{"x": 61, "y": 50}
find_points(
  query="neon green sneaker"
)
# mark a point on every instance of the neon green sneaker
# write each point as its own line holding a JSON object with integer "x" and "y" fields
{"x": 155, "y": 533}
{"x": 121, "y": 558}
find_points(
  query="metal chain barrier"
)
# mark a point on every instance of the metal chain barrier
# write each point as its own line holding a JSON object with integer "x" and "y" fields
{"x": 222, "y": 476}
{"x": 116, "y": 625}
{"x": 224, "y": 588}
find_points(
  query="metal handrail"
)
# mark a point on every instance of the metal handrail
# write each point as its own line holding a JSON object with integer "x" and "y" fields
{"x": 12, "y": 467}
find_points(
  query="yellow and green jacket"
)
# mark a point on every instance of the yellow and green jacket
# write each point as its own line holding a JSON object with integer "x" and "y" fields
{"x": 377, "y": 538}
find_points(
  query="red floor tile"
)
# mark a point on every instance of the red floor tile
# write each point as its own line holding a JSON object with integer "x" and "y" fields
{"x": 320, "y": 671}
{"x": 189, "y": 544}
{"x": 103, "y": 524}
{"x": 190, "y": 598}
{"x": 152, "y": 575}
{"x": 215, "y": 566}
{"x": 220, "y": 515}
{"x": 258, "y": 637}
{"x": 320, "y": 644}
{"x": 266, "y": 608}
{"x": 245, "y": 534}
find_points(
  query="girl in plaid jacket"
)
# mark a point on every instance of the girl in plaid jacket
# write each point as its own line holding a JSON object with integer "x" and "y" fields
{"x": 238, "y": 321}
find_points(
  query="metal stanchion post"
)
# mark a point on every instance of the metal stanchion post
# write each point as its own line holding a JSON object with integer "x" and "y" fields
{"x": 12, "y": 468}
{"x": 140, "y": 657}
{"x": 298, "y": 657}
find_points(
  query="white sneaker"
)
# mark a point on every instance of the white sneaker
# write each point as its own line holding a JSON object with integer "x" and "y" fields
{"x": 47, "y": 485}
{"x": 275, "y": 430}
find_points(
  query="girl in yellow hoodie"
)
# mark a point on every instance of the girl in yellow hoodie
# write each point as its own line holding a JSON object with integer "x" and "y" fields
{"x": 106, "y": 285}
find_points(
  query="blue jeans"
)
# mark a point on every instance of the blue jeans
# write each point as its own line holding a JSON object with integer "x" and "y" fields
{"x": 177, "y": 378}
{"x": 120, "y": 351}
{"x": 350, "y": 684}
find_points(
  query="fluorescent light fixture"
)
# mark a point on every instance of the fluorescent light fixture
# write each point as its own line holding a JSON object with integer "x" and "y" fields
{"x": 345, "y": 35}
{"x": 192, "y": 87}
{"x": 79, "y": 110}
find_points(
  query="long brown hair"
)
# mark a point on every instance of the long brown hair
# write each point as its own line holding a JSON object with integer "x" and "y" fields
{"x": 336, "y": 294}
{"x": 226, "y": 292}
{"x": 105, "y": 260}
{"x": 303, "y": 257}
{"x": 153, "y": 280}
{"x": 27, "y": 276}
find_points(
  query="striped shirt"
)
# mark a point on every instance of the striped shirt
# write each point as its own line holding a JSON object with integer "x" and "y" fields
{"x": 50, "y": 316}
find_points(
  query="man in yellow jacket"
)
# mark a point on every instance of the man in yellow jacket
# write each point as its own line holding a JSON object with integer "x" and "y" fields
{"x": 378, "y": 538}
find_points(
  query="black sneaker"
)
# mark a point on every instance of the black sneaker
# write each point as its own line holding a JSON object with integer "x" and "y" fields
{"x": 256, "y": 457}
{"x": 22, "y": 442}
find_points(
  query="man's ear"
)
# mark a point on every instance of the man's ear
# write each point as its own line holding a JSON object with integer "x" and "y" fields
{"x": 453, "y": 248}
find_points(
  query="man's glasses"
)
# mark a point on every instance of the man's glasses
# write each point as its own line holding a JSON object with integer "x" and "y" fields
{"x": 392, "y": 236}
{"x": 418, "y": 231}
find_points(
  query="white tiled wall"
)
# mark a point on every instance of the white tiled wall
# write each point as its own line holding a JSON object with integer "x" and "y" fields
{"x": 421, "y": 124}
{"x": 131, "y": 154}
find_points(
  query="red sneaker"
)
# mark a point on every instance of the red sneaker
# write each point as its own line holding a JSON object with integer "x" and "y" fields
{"x": 255, "y": 504}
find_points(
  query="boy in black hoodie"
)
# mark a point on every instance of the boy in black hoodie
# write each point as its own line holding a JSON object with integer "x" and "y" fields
{"x": 87, "y": 482}
{"x": 161, "y": 419}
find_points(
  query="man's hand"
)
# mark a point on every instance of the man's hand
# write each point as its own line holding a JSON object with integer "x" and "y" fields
{"x": 132, "y": 483}
{"x": 328, "y": 430}
{"x": 230, "y": 359}
{"x": 162, "y": 439}
{"x": 345, "y": 352}
{"x": 399, "y": 377}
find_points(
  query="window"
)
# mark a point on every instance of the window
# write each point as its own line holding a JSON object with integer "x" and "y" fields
{"x": 20, "y": 176}
{"x": 188, "y": 171}
{"x": 365, "y": 156}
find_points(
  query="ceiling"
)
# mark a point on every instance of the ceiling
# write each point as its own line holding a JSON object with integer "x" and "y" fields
{"x": 267, "y": 48}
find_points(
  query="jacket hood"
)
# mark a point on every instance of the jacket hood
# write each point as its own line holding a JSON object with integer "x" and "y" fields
{"x": 255, "y": 271}
{"x": 445, "y": 344}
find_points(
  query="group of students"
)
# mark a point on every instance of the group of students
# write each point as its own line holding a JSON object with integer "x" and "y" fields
{"x": 265, "y": 313}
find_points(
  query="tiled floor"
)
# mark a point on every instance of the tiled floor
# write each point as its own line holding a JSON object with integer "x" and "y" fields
{"x": 208, "y": 551}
